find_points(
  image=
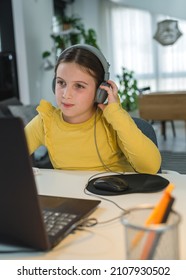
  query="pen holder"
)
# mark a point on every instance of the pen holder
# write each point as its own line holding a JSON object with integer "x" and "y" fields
{"x": 150, "y": 242}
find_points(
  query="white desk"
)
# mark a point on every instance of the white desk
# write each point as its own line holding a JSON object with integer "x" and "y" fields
{"x": 102, "y": 241}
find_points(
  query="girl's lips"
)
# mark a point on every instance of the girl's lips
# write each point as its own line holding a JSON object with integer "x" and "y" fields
{"x": 66, "y": 105}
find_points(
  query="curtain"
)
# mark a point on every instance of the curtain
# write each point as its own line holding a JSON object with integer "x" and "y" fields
{"x": 133, "y": 47}
{"x": 171, "y": 62}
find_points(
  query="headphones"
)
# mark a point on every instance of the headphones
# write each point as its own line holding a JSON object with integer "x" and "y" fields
{"x": 101, "y": 95}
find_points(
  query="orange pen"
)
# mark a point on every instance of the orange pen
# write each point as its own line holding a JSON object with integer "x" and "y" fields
{"x": 157, "y": 213}
{"x": 153, "y": 237}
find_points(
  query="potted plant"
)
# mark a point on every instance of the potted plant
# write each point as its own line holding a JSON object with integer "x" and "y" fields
{"x": 89, "y": 36}
{"x": 128, "y": 90}
{"x": 75, "y": 34}
{"x": 70, "y": 22}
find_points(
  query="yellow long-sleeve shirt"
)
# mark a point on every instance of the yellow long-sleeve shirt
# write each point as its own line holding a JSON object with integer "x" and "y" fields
{"x": 121, "y": 145}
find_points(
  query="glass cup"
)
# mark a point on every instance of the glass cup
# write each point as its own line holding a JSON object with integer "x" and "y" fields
{"x": 152, "y": 242}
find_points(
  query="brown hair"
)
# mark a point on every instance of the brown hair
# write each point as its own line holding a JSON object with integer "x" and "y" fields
{"x": 84, "y": 58}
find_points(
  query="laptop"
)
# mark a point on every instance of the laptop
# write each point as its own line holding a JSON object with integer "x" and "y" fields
{"x": 27, "y": 218}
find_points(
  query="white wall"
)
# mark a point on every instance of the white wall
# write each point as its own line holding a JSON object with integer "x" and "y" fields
{"x": 32, "y": 23}
{"x": 21, "y": 52}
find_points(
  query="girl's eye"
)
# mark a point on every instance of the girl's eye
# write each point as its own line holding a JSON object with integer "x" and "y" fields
{"x": 79, "y": 86}
{"x": 61, "y": 83}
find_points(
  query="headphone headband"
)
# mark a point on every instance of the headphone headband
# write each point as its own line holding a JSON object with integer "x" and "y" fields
{"x": 97, "y": 53}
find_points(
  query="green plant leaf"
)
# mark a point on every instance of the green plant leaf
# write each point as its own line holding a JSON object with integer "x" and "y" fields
{"x": 46, "y": 54}
{"x": 128, "y": 89}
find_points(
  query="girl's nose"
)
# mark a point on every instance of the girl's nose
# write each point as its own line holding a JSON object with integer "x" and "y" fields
{"x": 67, "y": 93}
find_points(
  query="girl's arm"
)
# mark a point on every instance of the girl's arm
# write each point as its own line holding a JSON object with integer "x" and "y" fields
{"x": 34, "y": 134}
{"x": 140, "y": 151}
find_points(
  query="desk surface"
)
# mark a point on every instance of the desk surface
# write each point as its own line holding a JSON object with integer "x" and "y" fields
{"x": 104, "y": 241}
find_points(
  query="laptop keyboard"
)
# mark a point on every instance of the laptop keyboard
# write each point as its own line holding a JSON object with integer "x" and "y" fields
{"x": 57, "y": 221}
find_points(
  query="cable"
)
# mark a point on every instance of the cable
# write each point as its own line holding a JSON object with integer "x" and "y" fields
{"x": 107, "y": 168}
{"x": 104, "y": 198}
{"x": 96, "y": 145}
{"x": 94, "y": 221}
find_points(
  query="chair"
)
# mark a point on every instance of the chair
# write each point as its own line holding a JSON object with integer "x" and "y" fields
{"x": 148, "y": 130}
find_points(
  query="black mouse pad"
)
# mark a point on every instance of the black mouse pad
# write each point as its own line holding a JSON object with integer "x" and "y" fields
{"x": 137, "y": 183}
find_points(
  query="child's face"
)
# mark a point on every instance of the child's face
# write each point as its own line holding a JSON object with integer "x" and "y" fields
{"x": 75, "y": 92}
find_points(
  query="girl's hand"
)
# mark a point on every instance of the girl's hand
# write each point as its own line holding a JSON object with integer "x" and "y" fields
{"x": 112, "y": 94}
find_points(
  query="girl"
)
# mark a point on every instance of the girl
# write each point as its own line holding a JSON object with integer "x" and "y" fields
{"x": 82, "y": 134}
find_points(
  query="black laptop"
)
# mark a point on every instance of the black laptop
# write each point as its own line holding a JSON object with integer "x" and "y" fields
{"x": 26, "y": 218}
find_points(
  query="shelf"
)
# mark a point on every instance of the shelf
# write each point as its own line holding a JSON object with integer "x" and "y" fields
{"x": 67, "y": 32}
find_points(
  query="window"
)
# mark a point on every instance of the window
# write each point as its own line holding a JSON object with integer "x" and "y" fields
{"x": 171, "y": 63}
{"x": 157, "y": 66}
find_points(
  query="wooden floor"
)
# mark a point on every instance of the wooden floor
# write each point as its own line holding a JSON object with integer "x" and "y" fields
{"x": 174, "y": 144}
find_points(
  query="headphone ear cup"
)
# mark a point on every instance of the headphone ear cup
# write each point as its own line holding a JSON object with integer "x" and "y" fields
{"x": 53, "y": 84}
{"x": 101, "y": 94}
